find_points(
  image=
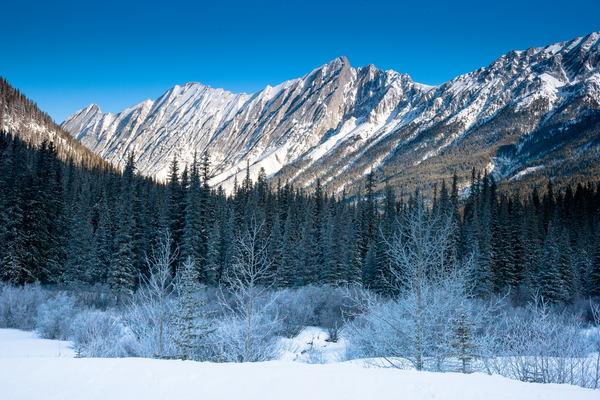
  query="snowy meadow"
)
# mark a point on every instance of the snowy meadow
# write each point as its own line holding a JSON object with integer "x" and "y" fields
{"x": 82, "y": 341}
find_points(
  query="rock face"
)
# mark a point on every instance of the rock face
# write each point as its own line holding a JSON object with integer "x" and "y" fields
{"x": 338, "y": 123}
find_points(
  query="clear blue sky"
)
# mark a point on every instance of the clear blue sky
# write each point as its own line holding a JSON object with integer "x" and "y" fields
{"x": 67, "y": 54}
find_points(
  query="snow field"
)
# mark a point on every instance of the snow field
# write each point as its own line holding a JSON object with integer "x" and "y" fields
{"x": 135, "y": 378}
{"x": 24, "y": 376}
{"x": 18, "y": 344}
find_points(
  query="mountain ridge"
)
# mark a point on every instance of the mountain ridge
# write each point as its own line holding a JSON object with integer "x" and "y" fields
{"x": 338, "y": 123}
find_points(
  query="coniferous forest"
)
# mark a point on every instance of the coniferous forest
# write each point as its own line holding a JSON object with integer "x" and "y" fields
{"x": 65, "y": 223}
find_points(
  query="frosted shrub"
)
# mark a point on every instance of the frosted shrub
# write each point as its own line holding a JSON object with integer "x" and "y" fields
{"x": 55, "y": 317}
{"x": 594, "y": 339}
{"x": 150, "y": 324}
{"x": 433, "y": 287}
{"x": 394, "y": 330}
{"x": 544, "y": 346}
{"x": 19, "y": 305}
{"x": 296, "y": 308}
{"x": 101, "y": 334}
{"x": 247, "y": 330}
{"x": 235, "y": 341}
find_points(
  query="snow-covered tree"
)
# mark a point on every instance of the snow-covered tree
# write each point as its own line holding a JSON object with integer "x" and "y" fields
{"x": 191, "y": 322}
{"x": 462, "y": 342}
{"x": 247, "y": 331}
{"x": 432, "y": 287}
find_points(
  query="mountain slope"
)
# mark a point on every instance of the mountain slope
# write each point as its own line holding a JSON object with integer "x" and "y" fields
{"x": 22, "y": 118}
{"x": 339, "y": 123}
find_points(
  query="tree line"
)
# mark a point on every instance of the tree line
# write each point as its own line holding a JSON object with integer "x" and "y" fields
{"x": 65, "y": 223}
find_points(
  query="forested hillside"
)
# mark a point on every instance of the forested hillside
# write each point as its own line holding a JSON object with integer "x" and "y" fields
{"x": 20, "y": 115}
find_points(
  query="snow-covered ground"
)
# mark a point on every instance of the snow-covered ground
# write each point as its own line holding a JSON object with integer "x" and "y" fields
{"x": 18, "y": 344}
{"x": 312, "y": 346}
{"x": 57, "y": 375}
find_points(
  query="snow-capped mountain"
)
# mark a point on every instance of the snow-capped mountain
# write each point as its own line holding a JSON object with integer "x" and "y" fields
{"x": 338, "y": 123}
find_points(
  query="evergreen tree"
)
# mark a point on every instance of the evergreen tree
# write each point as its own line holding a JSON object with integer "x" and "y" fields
{"x": 122, "y": 275}
{"x": 190, "y": 322}
{"x": 102, "y": 242}
{"x": 288, "y": 271}
{"x": 565, "y": 266}
{"x": 593, "y": 272}
{"x": 192, "y": 235}
{"x": 549, "y": 282}
{"x": 175, "y": 205}
{"x": 462, "y": 343}
{"x": 80, "y": 250}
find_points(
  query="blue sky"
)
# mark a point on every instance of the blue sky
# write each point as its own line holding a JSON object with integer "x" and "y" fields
{"x": 67, "y": 54}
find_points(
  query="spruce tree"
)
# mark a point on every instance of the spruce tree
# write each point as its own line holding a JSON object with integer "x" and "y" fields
{"x": 549, "y": 281}
{"x": 462, "y": 340}
{"x": 191, "y": 323}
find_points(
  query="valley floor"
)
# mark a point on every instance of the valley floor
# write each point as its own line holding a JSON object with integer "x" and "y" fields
{"x": 32, "y": 368}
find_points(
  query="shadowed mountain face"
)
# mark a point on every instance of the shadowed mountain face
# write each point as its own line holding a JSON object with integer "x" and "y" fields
{"x": 525, "y": 116}
{"x": 20, "y": 116}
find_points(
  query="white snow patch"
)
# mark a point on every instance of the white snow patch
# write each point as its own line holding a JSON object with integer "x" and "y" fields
{"x": 552, "y": 81}
{"x": 526, "y": 171}
{"x": 312, "y": 346}
{"x": 17, "y": 344}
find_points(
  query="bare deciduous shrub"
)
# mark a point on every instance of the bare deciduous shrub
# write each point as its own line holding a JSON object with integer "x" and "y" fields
{"x": 315, "y": 305}
{"x": 19, "y": 305}
{"x": 98, "y": 333}
{"x": 414, "y": 328}
{"x": 55, "y": 317}
{"x": 539, "y": 344}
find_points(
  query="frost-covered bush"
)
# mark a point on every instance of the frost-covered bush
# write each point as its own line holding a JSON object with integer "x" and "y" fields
{"x": 99, "y": 296}
{"x": 388, "y": 329}
{"x": 55, "y": 316}
{"x": 539, "y": 344}
{"x": 150, "y": 324}
{"x": 236, "y": 341}
{"x": 98, "y": 333}
{"x": 247, "y": 330}
{"x": 19, "y": 305}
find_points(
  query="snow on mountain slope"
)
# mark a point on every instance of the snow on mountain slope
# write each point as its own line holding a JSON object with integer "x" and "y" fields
{"x": 338, "y": 123}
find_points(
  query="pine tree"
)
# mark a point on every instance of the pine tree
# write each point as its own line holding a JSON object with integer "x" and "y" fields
{"x": 565, "y": 266}
{"x": 549, "y": 281}
{"x": 122, "y": 274}
{"x": 593, "y": 272}
{"x": 462, "y": 344}
{"x": 79, "y": 261}
{"x": 102, "y": 242}
{"x": 192, "y": 241}
{"x": 175, "y": 205}
{"x": 190, "y": 322}
{"x": 288, "y": 272}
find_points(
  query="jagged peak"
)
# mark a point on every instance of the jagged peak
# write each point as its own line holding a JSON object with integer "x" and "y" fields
{"x": 342, "y": 60}
{"x": 92, "y": 107}
{"x": 333, "y": 65}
